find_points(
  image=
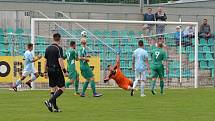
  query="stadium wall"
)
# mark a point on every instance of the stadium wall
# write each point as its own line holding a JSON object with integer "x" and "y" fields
{"x": 188, "y": 11}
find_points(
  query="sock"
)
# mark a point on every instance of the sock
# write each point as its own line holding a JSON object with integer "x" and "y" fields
{"x": 76, "y": 86}
{"x": 93, "y": 86}
{"x": 67, "y": 84}
{"x": 55, "y": 96}
{"x": 135, "y": 84}
{"x": 85, "y": 87}
{"x": 33, "y": 77}
{"x": 142, "y": 88}
{"x": 161, "y": 86}
{"x": 54, "y": 102}
{"x": 152, "y": 85}
{"x": 18, "y": 82}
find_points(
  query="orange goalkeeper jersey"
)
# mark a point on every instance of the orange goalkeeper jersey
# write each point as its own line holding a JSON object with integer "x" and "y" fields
{"x": 120, "y": 78}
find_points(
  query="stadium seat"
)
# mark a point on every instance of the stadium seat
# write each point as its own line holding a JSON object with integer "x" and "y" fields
{"x": 211, "y": 64}
{"x": 191, "y": 57}
{"x": 211, "y": 42}
{"x": 201, "y": 56}
{"x": 187, "y": 74}
{"x": 114, "y": 33}
{"x": 19, "y": 31}
{"x": 189, "y": 49}
{"x": 202, "y": 41}
{"x": 203, "y": 65}
{"x": 206, "y": 49}
{"x": 209, "y": 56}
{"x": 9, "y": 30}
{"x": 1, "y": 31}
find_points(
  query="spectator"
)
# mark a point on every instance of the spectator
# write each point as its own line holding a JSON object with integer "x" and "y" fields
{"x": 177, "y": 36}
{"x": 160, "y": 16}
{"x": 149, "y": 17}
{"x": 205, "y": 30}
{"x": 189, "y": 31}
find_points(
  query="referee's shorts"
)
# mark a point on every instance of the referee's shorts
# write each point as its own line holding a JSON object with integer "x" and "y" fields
{"x": 56, "y": 77}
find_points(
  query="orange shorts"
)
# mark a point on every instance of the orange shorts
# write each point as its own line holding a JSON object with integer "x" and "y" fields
{"x": 125, "y": 85}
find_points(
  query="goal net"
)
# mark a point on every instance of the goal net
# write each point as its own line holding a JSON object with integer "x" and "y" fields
{"x": 107, "y": 37}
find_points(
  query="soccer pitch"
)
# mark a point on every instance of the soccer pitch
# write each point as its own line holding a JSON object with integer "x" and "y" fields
{"x": 115, "y": 105}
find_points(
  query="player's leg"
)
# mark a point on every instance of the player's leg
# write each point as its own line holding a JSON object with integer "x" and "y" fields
{"x": 88, "y": 74}
{"x": 161, "y": 77}
{"x": 69, "y": 82}
{"x": 19, "y": 81}
{"x": 76, "y": 85}
{"x": 154, "y": 76}
{"x": 137, "y": 78}
{"x": 56, "y": 79}
{"x": 71, "y": 77}
{"x": 34, "y": 76}
{"x": 142, "y": 85}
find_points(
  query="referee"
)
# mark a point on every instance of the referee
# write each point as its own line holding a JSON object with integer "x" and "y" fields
{"x": 55, "y": 70}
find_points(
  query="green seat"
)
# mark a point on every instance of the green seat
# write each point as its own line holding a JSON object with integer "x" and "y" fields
{"x": 203, "y": 64}
{"x": 209, "y": 56}
{"x": 201, "y": 56}
{"x": 40, "y": 40}
{"x": 202, "y": 41}
{"x": 189, "y": 49}
{"x": 9, "y": 30}
{"x": 114, "y": 33}
{"x": 211, "y": 41}
{"x": 206, "y": 49}
{"x": 211, "y": 64}
{"x": 174, "y": 64}
{"x": 19, "y": 31}
{"x": 123, "y": 33}
{"x": 1, "y": 31}
{"x": 106, "y": 33}
{"x": 182, "y": 49}
{"x": 187, "y": 74}
{"x": 191, "y": 57}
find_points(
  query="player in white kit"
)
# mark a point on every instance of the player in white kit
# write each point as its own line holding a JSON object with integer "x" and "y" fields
{"x": 139, "y": 63}
{"x": 28, "y": 67}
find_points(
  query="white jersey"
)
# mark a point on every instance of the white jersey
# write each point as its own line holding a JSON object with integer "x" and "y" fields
{"x": 28, "y": 56}
{"x": 140, "y": 56}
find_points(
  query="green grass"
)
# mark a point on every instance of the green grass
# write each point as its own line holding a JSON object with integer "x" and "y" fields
{"x": 115, "y": 105}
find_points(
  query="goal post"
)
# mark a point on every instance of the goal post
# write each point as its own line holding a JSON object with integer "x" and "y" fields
{"x": 89, "y": 21}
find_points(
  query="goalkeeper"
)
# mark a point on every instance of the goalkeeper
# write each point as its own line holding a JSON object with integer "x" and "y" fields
{"x": 116, "y": 74}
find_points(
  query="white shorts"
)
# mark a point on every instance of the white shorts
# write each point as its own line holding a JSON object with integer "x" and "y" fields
{"x": 141, "y": 76}
{"x": 29, "y": 72}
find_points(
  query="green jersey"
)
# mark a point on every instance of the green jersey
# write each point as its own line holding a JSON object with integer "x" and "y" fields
{"x": 71, "y": 56}
{"x": 83, "y": 53}
{"x": 158, "y": 56}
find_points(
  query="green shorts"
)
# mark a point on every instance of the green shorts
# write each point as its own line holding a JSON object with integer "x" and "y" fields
{"x": 157, "y": 71}
{"x": 73, "y": 75}
{"x": 87, "y": 72}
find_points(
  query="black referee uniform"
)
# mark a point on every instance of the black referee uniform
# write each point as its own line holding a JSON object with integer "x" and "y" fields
{"x": 56, "y": 77}
{"x": 55, "y": 74}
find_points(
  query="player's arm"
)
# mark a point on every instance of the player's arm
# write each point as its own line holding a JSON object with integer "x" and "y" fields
{"x": 166, "y": 62}
{"x": 107, "y": 77}
{"x": 33, "y": 59}
{"x": 117, "y": 62}
{"x": 45, "y": 67}
{"x": 61, "y": 62}
{"x": 133, "y": 62}
{"x": 147, "y": 62}
{"x": 81, "y": 57}
{"x": 76, "y": 56}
